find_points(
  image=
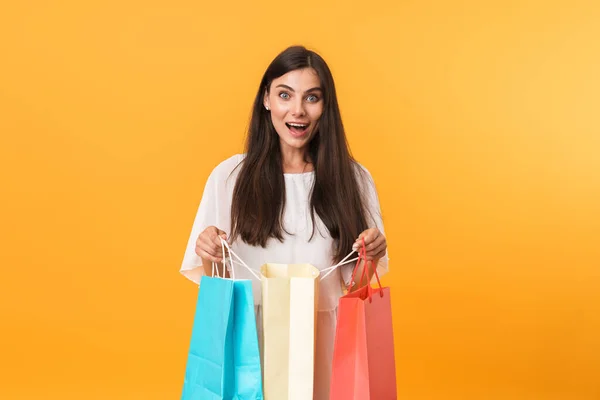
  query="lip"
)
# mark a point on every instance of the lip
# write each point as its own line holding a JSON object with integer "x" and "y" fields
{"x": 299, "y": 134}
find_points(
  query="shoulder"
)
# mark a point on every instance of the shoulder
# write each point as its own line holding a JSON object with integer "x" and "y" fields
{"x": 361, "y": 168}
{"x": 227, "y": 167}
{"x": 363, "y": 175}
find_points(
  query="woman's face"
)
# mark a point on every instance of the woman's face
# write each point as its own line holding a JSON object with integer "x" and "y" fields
{"x": 295, "y": 101}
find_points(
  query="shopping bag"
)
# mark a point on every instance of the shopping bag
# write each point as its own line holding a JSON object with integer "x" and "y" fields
{"x": 223, "y": 359}
{"x": 289, "y": 304}
{"x": 246, "y": 356}
{"x": 363, "y": 353}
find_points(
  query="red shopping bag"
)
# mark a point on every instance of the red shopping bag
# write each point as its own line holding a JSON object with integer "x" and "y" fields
{"x": 363, "y": 355}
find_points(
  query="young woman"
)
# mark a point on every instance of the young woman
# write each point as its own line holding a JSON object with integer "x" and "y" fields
{"x": 295, "y": 196}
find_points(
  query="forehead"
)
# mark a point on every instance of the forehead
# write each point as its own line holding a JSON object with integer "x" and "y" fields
{"x": 299, "y": 79}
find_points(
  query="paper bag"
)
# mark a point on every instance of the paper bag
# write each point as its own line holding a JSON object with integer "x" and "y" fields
{"x": 223, "y": 360}
{"x": 289, "y": 304}
{"x": 363, "y": 354}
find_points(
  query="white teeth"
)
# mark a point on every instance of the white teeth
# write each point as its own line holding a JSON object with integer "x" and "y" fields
{"x": 297, "y": 125}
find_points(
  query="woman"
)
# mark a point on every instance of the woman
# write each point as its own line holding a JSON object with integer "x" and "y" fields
{"x": 295, "y": 196}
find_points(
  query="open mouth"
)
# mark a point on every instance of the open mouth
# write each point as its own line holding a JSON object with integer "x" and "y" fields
{"x": 297, "y": 129}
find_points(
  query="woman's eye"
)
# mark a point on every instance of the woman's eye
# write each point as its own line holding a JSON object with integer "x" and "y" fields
{"x": 312, "y": 98}
{"x": 284, "y": 95}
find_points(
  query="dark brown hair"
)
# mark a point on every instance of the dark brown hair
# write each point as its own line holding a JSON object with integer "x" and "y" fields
{"x": 337, "y": 195}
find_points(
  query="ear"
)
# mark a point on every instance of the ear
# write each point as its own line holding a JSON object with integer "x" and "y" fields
{"x": 266, "y": 101}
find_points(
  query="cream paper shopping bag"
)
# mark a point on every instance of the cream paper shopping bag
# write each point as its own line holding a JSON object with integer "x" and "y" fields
{"x": 289, "y": 304}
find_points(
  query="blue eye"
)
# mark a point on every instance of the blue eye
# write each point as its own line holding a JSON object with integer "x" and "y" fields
{"x": 284, "y": 95}
{"x": 312, "y": 98}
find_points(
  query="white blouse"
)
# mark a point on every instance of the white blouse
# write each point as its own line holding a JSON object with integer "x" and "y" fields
{"x": 214, "y": 210}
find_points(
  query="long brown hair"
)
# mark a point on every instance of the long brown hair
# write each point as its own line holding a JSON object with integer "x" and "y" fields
{"x": 337, "y": 195}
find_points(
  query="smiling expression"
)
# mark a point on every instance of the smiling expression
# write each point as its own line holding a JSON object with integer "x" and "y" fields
{"x": 295, "y": 101}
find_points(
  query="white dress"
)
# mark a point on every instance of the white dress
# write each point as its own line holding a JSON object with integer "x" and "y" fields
{"x": 214, "y": 210}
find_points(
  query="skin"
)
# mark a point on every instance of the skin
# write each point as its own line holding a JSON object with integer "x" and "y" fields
{"x": 295, "y": 97}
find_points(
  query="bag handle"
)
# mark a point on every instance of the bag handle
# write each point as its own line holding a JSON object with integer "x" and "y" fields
{"x": 215, "y": 267}
{"x": 343, "y": 262}
{"x": 215, "y": 270}
{"x": 363, "y": 257}
{"x": 224, "y": 245}
{"x": 225, "y": 260}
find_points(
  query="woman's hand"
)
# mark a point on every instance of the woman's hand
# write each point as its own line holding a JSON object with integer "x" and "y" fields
{"x": 375, "y": 243}
{"x": 376, "y": 246}
{"x": 208, "y": 244}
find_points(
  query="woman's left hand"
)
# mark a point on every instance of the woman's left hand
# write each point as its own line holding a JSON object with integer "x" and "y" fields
{"x": 375, "y": 243}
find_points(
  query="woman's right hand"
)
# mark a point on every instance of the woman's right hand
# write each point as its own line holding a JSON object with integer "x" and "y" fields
{"x": 208, "y": 244}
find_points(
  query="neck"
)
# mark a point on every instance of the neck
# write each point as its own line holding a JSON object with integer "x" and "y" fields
{"x": 295, "y": 161}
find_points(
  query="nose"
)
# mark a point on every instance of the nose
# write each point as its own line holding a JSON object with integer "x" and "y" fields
{"x": 298, "y": 108}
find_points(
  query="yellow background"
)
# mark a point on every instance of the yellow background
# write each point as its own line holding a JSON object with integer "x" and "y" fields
{"x": 478, "y": 119}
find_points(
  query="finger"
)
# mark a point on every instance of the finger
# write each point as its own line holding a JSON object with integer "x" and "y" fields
{"x": 377, "y": 254}
{"x": 368, "y": 236}
{"x": 359, "y": 242}
{"x": 381, "y": 254}
{"x": 362, "y": 236}
{"x": 378, "y": 242}
{"x": 209, "y": 246}
{"x": 221, "y": 235}
{"x": 221, "y": 249}
{"x": 217, "y": 236}
{"x": 213, "y": 230}
{"x": 376, "y": 250}
{"x": 206, "y": 256}
{"x": 209, "y": 251}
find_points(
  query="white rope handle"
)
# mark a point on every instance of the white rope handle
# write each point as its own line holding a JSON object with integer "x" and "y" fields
{"x": 241, "y": 262}
{"x": 343, "y": 262}
{"x": 225, "y": 260}
{"x": 215, "y": 270}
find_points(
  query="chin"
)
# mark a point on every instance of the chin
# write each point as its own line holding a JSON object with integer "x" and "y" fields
{"x": 298, "y": 143}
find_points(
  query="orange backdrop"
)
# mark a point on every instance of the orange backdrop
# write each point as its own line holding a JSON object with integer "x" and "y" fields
{"x": 479, "y": 121}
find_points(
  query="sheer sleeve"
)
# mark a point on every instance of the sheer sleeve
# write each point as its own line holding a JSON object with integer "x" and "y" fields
{"x": 374, "y": 220}
{"x": 214, "y": 210}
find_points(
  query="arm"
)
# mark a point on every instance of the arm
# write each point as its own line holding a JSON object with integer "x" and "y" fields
{"x": 212, "y": 217}
{"x": 208, "y": 248}
{"x": 376, "y": 246}
{"x": 374, "y": 236}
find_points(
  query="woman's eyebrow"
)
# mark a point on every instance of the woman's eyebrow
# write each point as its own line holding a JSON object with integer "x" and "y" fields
{"x": 314, "y": 89}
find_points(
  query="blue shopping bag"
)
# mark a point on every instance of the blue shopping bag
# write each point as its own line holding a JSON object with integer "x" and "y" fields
{"x": 223, "y": 360}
